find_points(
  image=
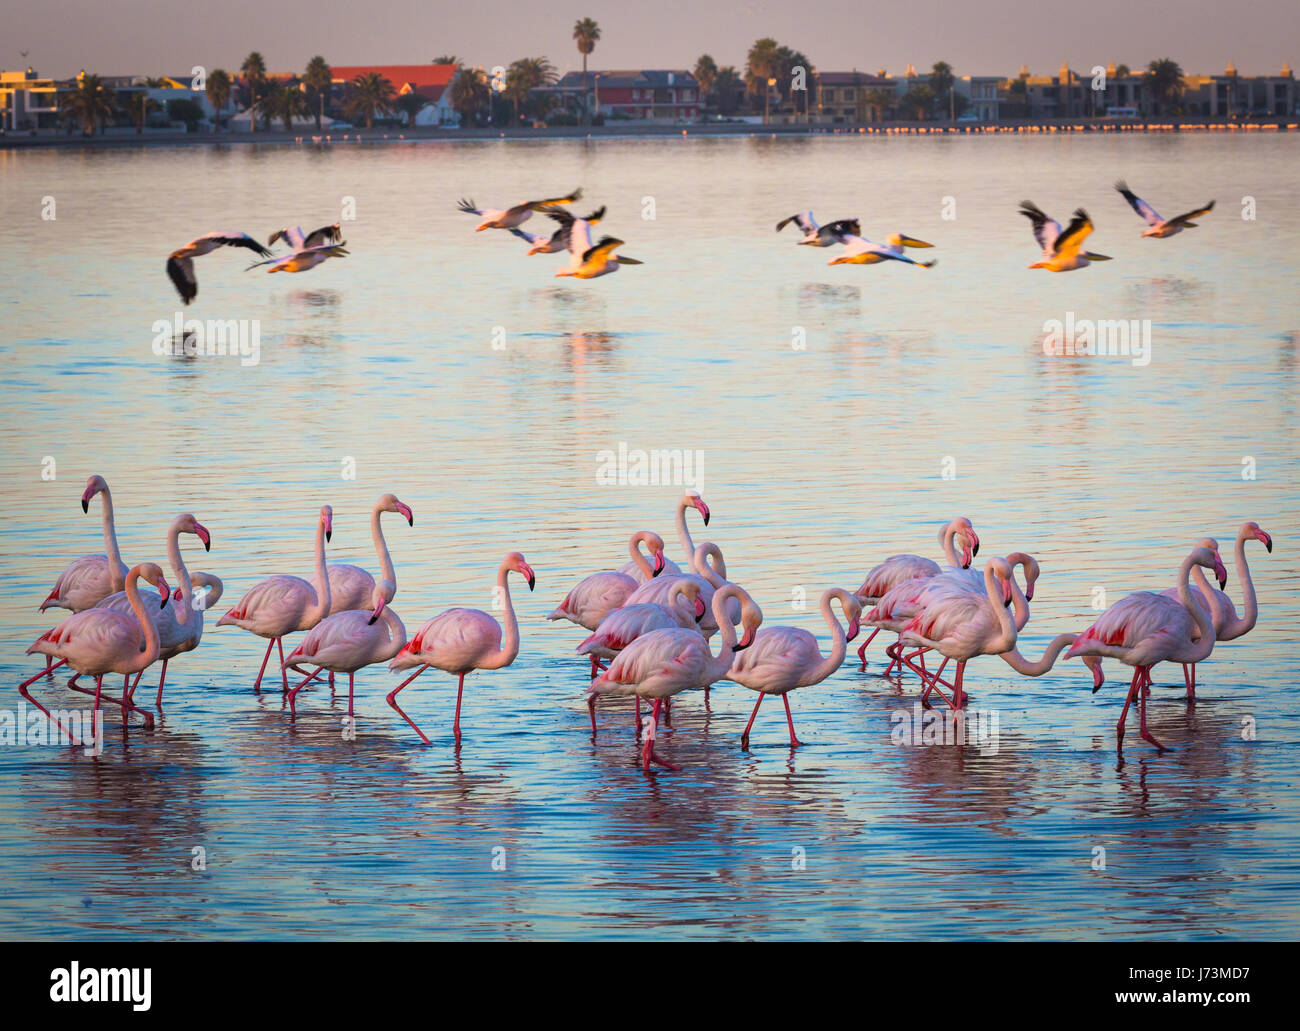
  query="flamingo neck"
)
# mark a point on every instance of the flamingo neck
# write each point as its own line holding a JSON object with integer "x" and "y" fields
{"x": 1007, "y": 638}
{"x": 1202, "y": 647}
{"x": 946, "y": 535}
{"x": 717, "y": 667}
{"x": 1022, "y": 665}
{"x": 634, "y": 549}
{"x": 381, "y": 549}
{"x": 178, "y": 567}
{"x": 510, "y": 642}
{"x": 396, "y": 635}
{"x": 322, "y": 578}
{"x": 147, "y": 625}
{"x": 839, "y": 640}
{"x": 684, "y": 534}
{"x": 1247, "y": 623}
{"x": 702, "y": 561}
{"x": 116, "y": 568}
{"x": 1019, "y": 602}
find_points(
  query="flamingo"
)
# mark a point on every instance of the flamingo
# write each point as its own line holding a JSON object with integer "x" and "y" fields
{"x": 637, "y": 568}
{"x": 960, "y": 624}
{"x": 1228, "y": 626}
{"x": 708, "y": 578}
{"x": 180, "y": 627}
{"x": 352, "y": 587}
{"x": 597, "y": 595}
{"x": 280, "y": 605}
{"x": 785, "y": 657}
{"x": 558, "y": 241}
{"x": 683, "y": 608}
{"x": 1062, "y": 251}
{"x": 897, "y": 569}
{"x": 513, "y": 217}
{"x": 180, "y": 263}
{"x": 691, "y": 499}
{"x": 1145, "y": 628}
{"x": 462, "y": 640}
{"x": 1157, "y": 226}
{"x": 96, "y": 642}
{"x": 822, "y": 236}
{"x": 344, "y": 642}
{"x": 663, "y": 663}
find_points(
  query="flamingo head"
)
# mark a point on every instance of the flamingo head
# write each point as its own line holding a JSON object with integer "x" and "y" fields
{"x": 690, "y": 589}
{"x": 970, "y": 540}
{"x": 1209, "y": 559}
{"x": 853, "y": 609}
{"x": 152, "y": 572}
{"x": 327, "y": 520}
{"x": 751, "y": 616}
{"x": 1032, "y": 570}
{"x": 1003, "y": 572}
{"x": 696, "y": 502}
{"x": 186, "y": 523}
{"x": 1261, "y": 535}
{"x": 390, "y": 503}
{"x": 515, "y": 561}
{"x": 379, "y": 609}
{"x": 95, "y": 485}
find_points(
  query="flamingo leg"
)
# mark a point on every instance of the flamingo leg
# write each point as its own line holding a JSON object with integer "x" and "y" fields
{"x": 350, "y": 678}
{"x": 284, "y": 673}
{"x": 127, "y": 707}
{"x": 1189, "y": 676}
{"x": 862, "y": 652}
{"x": 63, "y": 732}
{"x": 794, "y": 741}
{"x": 392, "y": 701}
{"x": 460, "y": 691}
{"x": 744, "y": 738}
{"x": 893, "y": 651}
{"x": 1142, "y": 717}
{"x": 332, "y": 686}
{"x": 648, "y": 755}
{"x": 591, "y": 711}
{"x": 936, "y": 678}
{"x": 594, "y": 665}
{"x": 668, "y": 712}
{"x": 293, "y": 694}
{"x": 958, "y": 694}
{"x": 257, "y": 684}
{"x": 1133, "y": 688}
{"x": 45, "y": 672}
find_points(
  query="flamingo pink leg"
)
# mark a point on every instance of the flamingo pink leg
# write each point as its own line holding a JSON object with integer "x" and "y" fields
{"x": 284, "y": 673}
{"x": 648, "y": 755}
{"x": 460, "y": 690}
{"x": 862, "y": 652}
{"x": 127, "y": 707}
{"x": 1133, "y": 688}
{"x": 293, "y": 694}
{"x": 1142, "y": 716}
{"x": 257, "y": 684}
{"x": 591, "y": 711}
{"x": 744, "y": 738}
{"x": 350, "y": 679}
{"x": 63, "y": 732}
{"x": 45, "y": 672}
{"x": 392, "y": 700}
{"x": 1189, "y": 677}
{"x": 794, "y": 741}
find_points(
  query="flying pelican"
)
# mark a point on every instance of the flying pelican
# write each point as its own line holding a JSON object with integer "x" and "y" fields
{"x": 292, "y": 235}
{"x": 588, "y": 262}
{"x": 897, "y": 241}
{"x": 511, "y": 218}
{"x": 558, "y": 241}
{"x": 308, "y": 251}
{"x": 821, "y": 236}
{"x": 1061, "y": 250}
{"x": 858, "y": 251}
{"x": 180, "y": 263}
{"x": 1158, "y": 226}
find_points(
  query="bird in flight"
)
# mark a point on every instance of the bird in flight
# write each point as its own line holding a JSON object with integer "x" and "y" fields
{"x": 1157, "y": 226}
{"x": 821, "y": 236}
{"x": 513, "y": 218}
{"x": 1062, "y": 250}
{"x": 180, "y": 263}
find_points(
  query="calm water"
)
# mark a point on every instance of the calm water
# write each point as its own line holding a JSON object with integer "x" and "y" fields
{"x": 817, "y": 463}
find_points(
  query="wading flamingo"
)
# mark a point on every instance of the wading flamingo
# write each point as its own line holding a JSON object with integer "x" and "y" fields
{"x": 822, "y": 236}
{"x": 513, "y": 217}
{"x": 1228, "y": 626}
{"x": 709, "y": 578}
{"x": 1145, "y": 628}
{"x": 960, "y": 624}
{"x": 599, "y": 594}
{"x": 785, "y": 657}
{"x": 96, "y": 642}
{"x": 898, "y": 569}
{"x": 1157, "y": 226}
{"x": 1062, "y": 251}
{"x": 179, "y": 626}
{"x": 663, "y": 663}
{"x": 180, "y": 263}
{"x": 637, "y": 568}
{"x": 352, "y": 587}
{"x": 281, "y": 605}
{"x": 460, "y": 641}
{"x": 344, "y": 642}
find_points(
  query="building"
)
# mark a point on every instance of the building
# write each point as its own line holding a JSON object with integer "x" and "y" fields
{"x": 670, "y": 95}
{"x": 431, "y": 81}
{"x": 1063, "y": 95}
{"x": 28, "y": 102}
{"x": 1234, "y": 96}
{"x": 982, "y": 93}
{"x": 851, "y": 97}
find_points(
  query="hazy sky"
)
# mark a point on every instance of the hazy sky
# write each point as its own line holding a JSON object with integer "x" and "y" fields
{"x": 150, "y": 37}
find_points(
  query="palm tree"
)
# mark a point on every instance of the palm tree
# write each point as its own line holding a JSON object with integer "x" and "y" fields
{"x": 526, "y": 75}
{"x": 470, "y": 93}
{"x": 89, "y": 103}
{"x": 1019, "y": 91}
{"x": 138, "y": 106}
{"x": 585, "y": 32}
{"x": 706, "y": 74}
{"x": 728, "y": 88}
{"x": 941, "y": 84}
{"x": 447, "y": 59}
{"x": 286, "y": 101}
{"x": 318, "y": 79}
{"x": 919, "y": 100}
{"x": 254, "y": 72}
{"x": 372, "y": 94}
{"x": 1164, "y": 78}
{"x": 411, "y": 104}
{"x": 762, "y": 64}
{"x": 878, "y": 101}
{"x": 218, "y": 93}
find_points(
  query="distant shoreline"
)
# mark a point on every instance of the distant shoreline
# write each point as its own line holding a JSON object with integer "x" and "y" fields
{"x": 19, "y": 141}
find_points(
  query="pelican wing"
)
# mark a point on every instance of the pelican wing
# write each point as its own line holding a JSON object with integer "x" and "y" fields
{"x": 235, "y": 240}
{"x": 325, "y": 234}
{"x": 528, "y": 238}
{"x": 601, "y": 252}
{"x": 804, "y": 220}
{"x": 550, "y": 202}
{"x": 292, "y": 235}
{"x": 840, "y": 230}
{"x": 595, "y": 216}
{"x": 1138, "y": 204}
{"x": 181, "y": 272}
{"x": 1046, "y": 230}
{"x": 467, "y": 206}
{"x": 1069, "y": 242}
{"x": 1186, "y": 219}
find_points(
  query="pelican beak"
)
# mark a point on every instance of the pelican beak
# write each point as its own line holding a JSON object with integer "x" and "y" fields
{"x": 659, "y": 563}
{"x": 405, "y": 510}
{"x": 854, "y": 628}
{"x": 201, "y": 532}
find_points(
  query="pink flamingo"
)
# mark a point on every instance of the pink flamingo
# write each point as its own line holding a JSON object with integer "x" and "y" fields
{"x": 344, "y": 642}
{"x": 599, "y": 594}
{"x": 708, "y": 576}
{"x": 91, "y": 578}
{"x": 960, "y": 624}
{"x": 352, "y": 587}
{"x": 180, "y": 627}
{"x": 636, "y": 567}
{"x": 96, "y": 642}
{"x": 462, "y": 640}
{"x": 785, "y": 657}
{"x": 663, "y": 663}
{"x": 1228, "y": 626}
{"x": 1145, "y": 628}
{"x": 281, "y": 605}
{"x": 897, "y": 569}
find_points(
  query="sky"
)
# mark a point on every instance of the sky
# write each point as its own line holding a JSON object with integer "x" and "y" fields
{"x": 978, "y": 37}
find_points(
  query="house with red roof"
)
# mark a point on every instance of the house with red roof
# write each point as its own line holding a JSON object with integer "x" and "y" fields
{"x": 431, "y": 81}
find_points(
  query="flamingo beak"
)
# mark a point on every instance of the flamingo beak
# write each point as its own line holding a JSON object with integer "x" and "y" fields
{"x": 1006, "y": 592}
{"x": 854, "y": 628}
{"x": 405, "y": 510}
{"x": 703, "y": 509}
{"x": 376, "y": 614}
{"x": 1029, "y": 591}
{"x": 85, "y": 499}
{"x": 164, "y": 593}
{"x": 1220, "y": 572}
{"x": 527, "y": 570}
{"x": 659, "y": 563}
{"x": 975, "y": 542}
{"x": 201, "y": 532}
{"x": 176, "y": 594}
{"x": 745, "y": 641}
{"x": 329, "y": 527}
{"x": 699, "y": 608}
{"x": 1268, "y": 541}
{"x": 1098, "y": 678}
{"x": 966, "y": 554}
